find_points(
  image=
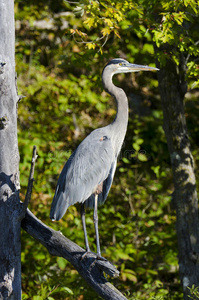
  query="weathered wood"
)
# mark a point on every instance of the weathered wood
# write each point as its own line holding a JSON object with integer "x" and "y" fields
{"x": 30, "y": 184}
{"x": 90, "y": 268}
{"x": 10, "y": 247}
{"x": 172, "y": 89}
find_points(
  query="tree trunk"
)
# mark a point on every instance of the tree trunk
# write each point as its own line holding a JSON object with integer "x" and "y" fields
{"x": 10, "y": 248}
{"x": 172, "y": 89}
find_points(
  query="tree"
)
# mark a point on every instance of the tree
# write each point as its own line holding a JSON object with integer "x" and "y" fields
{"x": 185, "y": 195}
{"x": 176, "y": 50}
{"x": 10, "y": 247}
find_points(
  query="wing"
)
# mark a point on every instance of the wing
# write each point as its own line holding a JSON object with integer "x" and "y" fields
{"x": 106, "y": 187}
{"x": 87, "y": 167}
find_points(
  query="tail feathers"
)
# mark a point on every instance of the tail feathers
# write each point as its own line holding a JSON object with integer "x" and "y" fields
{"x": 58, "y": 207}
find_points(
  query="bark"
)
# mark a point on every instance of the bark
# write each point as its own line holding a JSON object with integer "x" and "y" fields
{"x": 172, "y": 89}
{"x": 88, "y": 267}
{"x": 10, "y": 248}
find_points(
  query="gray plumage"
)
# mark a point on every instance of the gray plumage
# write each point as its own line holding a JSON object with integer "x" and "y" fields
{"x": 88, "y": 174}
{"x": 78, "y": 181}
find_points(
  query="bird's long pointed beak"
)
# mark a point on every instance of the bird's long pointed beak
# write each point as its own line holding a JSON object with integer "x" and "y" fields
{"x": 135, "y": 68}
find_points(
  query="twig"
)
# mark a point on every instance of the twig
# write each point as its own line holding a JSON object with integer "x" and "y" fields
{"x": 188, "y": 56}
{"x": 90, "y": 268}
{"x": 72, "y": 2}
{"x": 106, "y": 39}
{"x": 30, "y": 184}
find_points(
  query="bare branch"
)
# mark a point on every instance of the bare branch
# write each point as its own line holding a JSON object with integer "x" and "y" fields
{"x": 90, "y": 268}
{"x": 72, "y": 2}
{"x": 30, "y": 184}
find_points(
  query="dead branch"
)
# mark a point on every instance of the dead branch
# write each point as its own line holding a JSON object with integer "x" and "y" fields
{"x": 30, "y": 184}
{"x": 90, "y": 268}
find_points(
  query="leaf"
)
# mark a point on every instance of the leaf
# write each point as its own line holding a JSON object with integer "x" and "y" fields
{"x": 90, "y": 21}
{"x": 90, "y": 46}
{"x": 61, "y": 262}
{"x": 142, "y": 156}
{"x": 39, "y": 256}
{"x": 139, "y": 141}
{"x": 129, "y": 274}
{"x": 156, "y": 170}
{"x": 136, "y": 146}
{"x": 62, "y": 289}
{"x": 125, "y": 160}
{"x": 106, "y": 31}
{"x": 108, "y": 22}
{"x": 117, "y": 33}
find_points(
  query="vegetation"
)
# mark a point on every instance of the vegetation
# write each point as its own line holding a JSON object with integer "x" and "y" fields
{"x": 61, "y": 49}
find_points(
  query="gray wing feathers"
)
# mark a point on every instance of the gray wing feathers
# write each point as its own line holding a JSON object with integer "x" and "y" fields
{"x": 106, "y": 187}
{"x": 92, "y": 163}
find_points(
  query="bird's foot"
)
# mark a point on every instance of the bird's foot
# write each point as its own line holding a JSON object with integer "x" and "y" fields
{"x": 88, "y": 253}
{"x": 92, "y": 254}
{"x": 99, "y": 257}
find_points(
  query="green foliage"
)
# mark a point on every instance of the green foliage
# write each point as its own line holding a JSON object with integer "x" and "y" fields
{"x": 59, "y": 62}
{"x": 175, "y": 23}
{"x": 194, "y": 292}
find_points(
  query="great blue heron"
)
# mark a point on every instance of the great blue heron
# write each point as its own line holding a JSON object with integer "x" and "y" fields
{"x": 88, "y": 174}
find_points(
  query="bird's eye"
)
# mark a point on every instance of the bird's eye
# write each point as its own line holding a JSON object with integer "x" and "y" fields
{"x": 122, "y": 64}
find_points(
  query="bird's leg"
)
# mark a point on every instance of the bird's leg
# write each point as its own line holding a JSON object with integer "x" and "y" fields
{"x": 84, "y": 228}
{"x": 95, "y": 219}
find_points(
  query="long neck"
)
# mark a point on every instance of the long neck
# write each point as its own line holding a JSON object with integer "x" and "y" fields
{"x": 119, "y": 126}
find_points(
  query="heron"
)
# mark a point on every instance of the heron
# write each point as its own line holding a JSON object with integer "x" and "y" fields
{"x": 88, "y": 174}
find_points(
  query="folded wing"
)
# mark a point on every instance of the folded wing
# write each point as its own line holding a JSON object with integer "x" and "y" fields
{"x": 91, "y": 164}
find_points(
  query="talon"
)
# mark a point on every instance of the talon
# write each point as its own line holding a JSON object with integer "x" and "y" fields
{"x": 99, "y": 257}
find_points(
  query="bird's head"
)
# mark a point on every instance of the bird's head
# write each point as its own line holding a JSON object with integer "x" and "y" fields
{"x": 119, "y": 65}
